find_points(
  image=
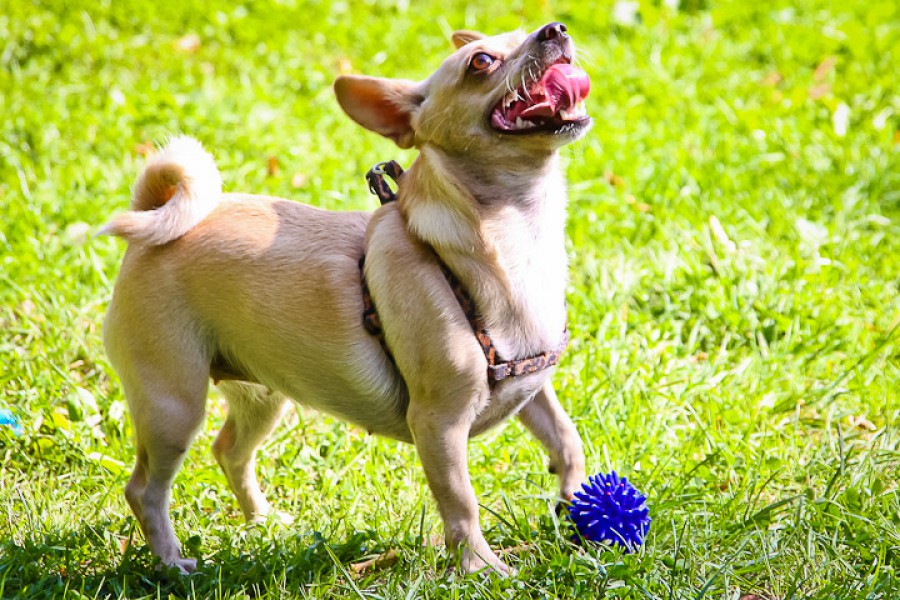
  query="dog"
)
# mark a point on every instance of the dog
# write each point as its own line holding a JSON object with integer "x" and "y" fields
{"x": 264, "y": 296}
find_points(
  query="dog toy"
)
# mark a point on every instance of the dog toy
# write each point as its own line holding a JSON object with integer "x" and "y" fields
{"x": 609, "y": 510}
{"x": 10, "y": 420}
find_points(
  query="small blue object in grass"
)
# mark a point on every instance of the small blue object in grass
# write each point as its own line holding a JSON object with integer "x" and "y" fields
{"x": 609, "y": 510}
{"x": 10, "y": 420}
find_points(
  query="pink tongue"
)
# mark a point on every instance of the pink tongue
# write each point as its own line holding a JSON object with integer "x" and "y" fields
{"x": 565, "y": 86}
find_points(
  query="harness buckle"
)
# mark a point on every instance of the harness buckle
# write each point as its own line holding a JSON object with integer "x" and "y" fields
{"x": 378, "y": 186}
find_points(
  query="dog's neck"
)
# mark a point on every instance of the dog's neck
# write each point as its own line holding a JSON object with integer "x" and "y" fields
{"x": 500, "y": 229}
{"x": 474, "y": 193}
{"x": 523, "y": 182}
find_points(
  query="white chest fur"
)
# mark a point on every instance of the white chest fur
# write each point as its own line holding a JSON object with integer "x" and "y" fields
{"x": 525, "y": 306}
{"x": 505, "y": 240}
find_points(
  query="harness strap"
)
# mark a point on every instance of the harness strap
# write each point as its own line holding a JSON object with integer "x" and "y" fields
{"x": 498, "y": 369}
{"x": 371, "y": 320}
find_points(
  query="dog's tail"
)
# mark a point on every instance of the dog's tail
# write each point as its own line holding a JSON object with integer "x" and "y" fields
{"x": 179, "y": 186}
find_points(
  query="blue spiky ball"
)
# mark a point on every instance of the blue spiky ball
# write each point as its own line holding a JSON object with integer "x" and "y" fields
{"x": 608, "y": 509}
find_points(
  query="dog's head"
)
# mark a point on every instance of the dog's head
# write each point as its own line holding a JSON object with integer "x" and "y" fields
{"x": 495, "y": 96}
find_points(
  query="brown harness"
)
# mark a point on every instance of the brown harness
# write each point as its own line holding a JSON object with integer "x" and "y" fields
{"x": 498, "y": 369}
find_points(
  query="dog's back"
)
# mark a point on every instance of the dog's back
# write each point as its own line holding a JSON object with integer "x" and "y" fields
{"x": 255, "y": 289}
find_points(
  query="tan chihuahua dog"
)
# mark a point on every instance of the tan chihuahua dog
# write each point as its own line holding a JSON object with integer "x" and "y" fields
{"x": 264, "y": 295}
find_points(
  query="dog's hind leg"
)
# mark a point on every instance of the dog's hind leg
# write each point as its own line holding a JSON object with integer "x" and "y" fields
{"x": 253, "y": 413}
{"x": 167, "y": 408}
{"x": 545, "y": 417}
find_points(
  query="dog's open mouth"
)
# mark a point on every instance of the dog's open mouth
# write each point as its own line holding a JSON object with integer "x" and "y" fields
{"x": 549, "y": 104}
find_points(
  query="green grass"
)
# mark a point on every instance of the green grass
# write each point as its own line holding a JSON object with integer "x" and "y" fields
{"x": 734, "y": 299}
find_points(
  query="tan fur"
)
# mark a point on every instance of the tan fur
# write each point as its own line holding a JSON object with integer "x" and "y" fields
{"x": 265, "y": 294}
{"x": 168, "y": 200}
{"x": 463, "y": 37}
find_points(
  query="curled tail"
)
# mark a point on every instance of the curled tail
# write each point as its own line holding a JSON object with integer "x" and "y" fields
{"x": 179, "y": 186}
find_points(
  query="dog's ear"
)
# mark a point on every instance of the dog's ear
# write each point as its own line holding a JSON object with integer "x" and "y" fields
{"x": 464, "y": 36}
{"x": 384, "y": 106}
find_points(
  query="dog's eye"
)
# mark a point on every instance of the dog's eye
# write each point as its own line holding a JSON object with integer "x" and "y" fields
{"x": 481, "y": 61}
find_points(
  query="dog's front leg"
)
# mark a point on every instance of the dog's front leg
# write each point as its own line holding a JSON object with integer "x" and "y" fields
{"x": 545, "y": 417}
{"x": 442, "y": 442}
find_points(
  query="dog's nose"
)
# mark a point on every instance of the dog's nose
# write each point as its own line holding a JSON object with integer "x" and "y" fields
{"x": 552, "y": 31}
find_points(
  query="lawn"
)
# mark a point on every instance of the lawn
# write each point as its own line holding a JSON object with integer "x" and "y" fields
{"x": 734, "y": 232}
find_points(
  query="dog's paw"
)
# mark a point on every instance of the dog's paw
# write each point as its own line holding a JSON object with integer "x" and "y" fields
{"x": 485, "y": 561}
{"x": 281, "y": 517}
{"x": 275, "y": 518}
{"x": 186, "y": 565}
{"x": 179, "y": 566}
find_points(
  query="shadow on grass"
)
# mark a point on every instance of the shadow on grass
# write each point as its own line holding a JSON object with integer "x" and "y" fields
{"x": 97, "y": 562}
{"x": 87, "y": 561}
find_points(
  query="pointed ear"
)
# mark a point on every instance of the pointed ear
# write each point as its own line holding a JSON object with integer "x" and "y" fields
{"x": 384, "y": 106}
{"x": 464, "y": 36}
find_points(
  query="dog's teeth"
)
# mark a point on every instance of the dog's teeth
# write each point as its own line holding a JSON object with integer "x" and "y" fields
{"x": 520, "y": 124}
{"x": 574, "y": 113}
